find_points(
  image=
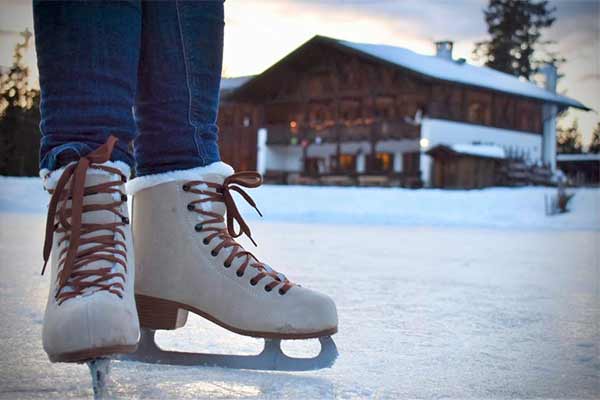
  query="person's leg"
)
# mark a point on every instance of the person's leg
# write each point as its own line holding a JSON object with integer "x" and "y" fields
{"x": 178, "y": 85}
{"x": 184, "y": 210}
{"x": 87, "y": 58}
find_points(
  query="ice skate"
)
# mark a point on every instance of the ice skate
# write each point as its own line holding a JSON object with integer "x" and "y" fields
{"x": 188, "y": 261}
{"x": 91, "y": 313}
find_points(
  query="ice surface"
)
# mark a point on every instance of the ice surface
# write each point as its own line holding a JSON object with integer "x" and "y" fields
{"x": 427, "y": 310}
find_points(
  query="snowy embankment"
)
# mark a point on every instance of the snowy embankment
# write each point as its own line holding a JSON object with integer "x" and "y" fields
{"x": 512, "y": 208}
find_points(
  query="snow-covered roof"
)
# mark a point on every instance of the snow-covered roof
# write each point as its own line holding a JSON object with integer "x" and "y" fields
{"x": 578, "y": 157}
{"x": 474, "y": 150}
{"x": 459, "y": 72}
{"x": 234, "y": 83}
{"x": 480, "y": 150}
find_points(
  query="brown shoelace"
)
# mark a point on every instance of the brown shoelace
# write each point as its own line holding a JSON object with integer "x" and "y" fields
{"x": 223, "y": 193}
{"x": 61, "y": 219}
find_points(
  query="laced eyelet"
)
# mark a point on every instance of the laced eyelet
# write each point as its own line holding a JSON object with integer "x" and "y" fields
{"x": 268, "y": 289}
{"x": 213, "y": 253}
{"x": 240, "y": 274}
{"x": 253, "y": 282}
{"x": 186, "y": 187}
{"x": 205, "y": 241}
{"x": 226, "y": 265}
{"x": 191, "y": 207}
{"x": 125, "y": 220}
{"x": 198, "y": 227}
{"x": 123, "y": 197}
{"x": 281, "y": 292}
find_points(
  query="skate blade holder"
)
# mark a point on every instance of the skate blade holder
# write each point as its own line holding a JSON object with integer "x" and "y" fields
{"x": 271, "y": 358}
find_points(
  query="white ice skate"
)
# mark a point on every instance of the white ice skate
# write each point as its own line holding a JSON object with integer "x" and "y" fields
{"x": 188, "y": 260}
{"x": 91, "y": 313}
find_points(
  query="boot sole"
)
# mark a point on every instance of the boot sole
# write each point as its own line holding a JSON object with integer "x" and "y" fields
{"x": 89, "y": 354}
{"x": 155, "y": 313}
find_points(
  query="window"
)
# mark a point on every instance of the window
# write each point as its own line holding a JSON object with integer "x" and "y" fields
{"x": 479, "y": 107}
{"x": 475, "y": 113}
{"x": 385, "y": 107}
{"x": 382, "y": 162}
{"x": 504, "y": 112}
{"x": 311, "y": 166}
{"x": 347, "y": 163}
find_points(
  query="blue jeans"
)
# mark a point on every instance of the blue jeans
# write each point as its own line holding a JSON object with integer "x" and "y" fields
{"x": 146, "y": 72}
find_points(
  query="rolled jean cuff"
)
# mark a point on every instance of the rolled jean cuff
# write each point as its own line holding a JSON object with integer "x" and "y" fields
{"x": 65, "y": 153}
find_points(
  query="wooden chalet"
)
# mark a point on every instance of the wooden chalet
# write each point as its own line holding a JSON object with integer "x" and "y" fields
{"x": 340, "y": 112}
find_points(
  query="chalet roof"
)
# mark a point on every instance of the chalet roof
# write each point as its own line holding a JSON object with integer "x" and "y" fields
{"x": 459, "y": 72}
{"x": 230, "y": 84}
{"x": 441, "y": 69}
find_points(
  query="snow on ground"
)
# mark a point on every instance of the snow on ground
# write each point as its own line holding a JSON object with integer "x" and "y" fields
{"x": 440, "y": 295}
{"x": 511, "y": 208}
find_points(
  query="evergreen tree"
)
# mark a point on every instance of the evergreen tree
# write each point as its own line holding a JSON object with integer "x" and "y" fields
{"x": 19, "y": 117}
{"x": 569, "y": 140}
{"x": 595, "y": 142}
{"x": 515, "y": 35}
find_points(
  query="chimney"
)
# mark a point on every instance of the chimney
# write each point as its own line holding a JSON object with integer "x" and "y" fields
{"x": 550, "y": 77}
{"x": 549, "y": 113}
{"x": 443, "y": 49}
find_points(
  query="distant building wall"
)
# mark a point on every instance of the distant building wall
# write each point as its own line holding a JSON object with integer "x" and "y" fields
{"x": 288, "y": 158}
{"x": 437, "y": 131}
{"x": 283, "y": 158}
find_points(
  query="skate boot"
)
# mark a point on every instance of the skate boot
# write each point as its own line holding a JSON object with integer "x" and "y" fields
{"x": 188, "y": 261}
{"x": 91, "y": 309}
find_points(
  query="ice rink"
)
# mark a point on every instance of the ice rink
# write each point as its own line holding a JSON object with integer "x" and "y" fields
{"x": 431, "y": 312}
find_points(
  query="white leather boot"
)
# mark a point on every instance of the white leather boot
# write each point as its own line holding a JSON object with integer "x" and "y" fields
{"x": 187, "y": 260}
{"x": 91, "y": 307}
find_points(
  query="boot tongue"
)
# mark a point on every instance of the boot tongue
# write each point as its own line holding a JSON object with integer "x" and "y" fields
{"x": 93, "y": 177}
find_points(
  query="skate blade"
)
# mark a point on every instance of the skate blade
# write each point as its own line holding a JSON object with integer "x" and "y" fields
{"x": 100, "y": 370}
{"x": 271, "y": 358}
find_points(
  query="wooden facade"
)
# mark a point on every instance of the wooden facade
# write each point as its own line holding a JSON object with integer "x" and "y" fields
{"x": 238, "y": 134}
{"x": 580, "y": 169}
{"x": 453, "y": 170}
{"x": 324, "y": 93}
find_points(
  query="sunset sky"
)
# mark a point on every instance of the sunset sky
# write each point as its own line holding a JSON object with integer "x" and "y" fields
{"x": 258, "y": 33}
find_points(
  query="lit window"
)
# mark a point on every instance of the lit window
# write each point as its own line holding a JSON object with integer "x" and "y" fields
{"x": 347, "y": 162}
{"x": 384, "y": 161}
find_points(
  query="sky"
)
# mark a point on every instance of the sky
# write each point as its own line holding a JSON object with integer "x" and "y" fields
{"x": 260, "y": 32}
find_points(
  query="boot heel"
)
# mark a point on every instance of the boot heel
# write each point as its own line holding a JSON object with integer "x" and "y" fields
{"x": 157, "y": 313}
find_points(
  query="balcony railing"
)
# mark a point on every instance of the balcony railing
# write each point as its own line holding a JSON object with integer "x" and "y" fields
{"x": 283, "y": 134}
